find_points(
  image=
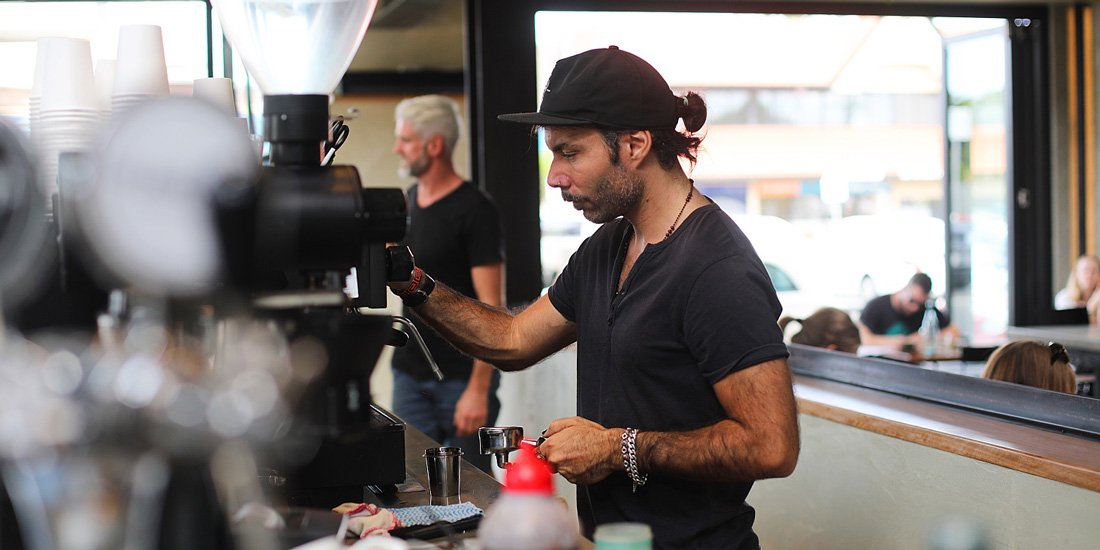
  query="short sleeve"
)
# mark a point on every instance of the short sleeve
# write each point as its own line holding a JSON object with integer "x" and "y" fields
{"x": 561, "y": 291}
{"x": 730, "y": 320}
{"x": 943, "y": 318}
{"x": 1063, "y": 301}
{"x": 871, "y": 317}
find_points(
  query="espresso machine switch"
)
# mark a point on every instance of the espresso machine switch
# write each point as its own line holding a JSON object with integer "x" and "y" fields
{"x": 399, "y": 263}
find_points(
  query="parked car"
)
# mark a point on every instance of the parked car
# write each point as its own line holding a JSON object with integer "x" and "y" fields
{"x": 871, "y": 255}
{"x": 792, "y": 263}
{"x": 563, "y": 230}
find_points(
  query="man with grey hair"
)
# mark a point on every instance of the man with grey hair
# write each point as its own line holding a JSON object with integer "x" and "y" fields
{"x": 454, "y": 228}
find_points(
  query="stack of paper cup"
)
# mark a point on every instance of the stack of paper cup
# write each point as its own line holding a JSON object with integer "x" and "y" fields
{"x": 35, "y": 101}
{"x": 140, "y": 70}
{"x": 68, "y": 115}
{"x": 104, "y": 85}
{"x": 216, "y": 91}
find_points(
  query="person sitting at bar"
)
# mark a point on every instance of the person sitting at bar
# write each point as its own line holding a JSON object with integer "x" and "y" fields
{"x": 894, "y": 319}
{"x": 1031, "y": 363}
{"x": 828, "y": 328}
{"x": 1082, "y": 289}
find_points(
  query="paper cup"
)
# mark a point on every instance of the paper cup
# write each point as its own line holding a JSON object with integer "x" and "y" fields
{"x": 67, "y": 81}
{"x": 139, "y": 66}
{"x": 104, "y": 84}
{"x": 216, "y": 91}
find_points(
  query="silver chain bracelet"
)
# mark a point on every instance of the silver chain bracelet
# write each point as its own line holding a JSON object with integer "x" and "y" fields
{"x": 630, "y": 458}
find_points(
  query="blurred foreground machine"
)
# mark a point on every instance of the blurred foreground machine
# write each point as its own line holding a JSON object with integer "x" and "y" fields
{"x": 226, "y": 380}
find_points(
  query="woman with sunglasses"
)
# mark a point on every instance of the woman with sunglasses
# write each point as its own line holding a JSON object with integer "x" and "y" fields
{"x": 1031, "y": 363}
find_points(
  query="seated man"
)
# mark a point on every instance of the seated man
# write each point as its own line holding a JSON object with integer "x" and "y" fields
{"x": 894, "y": 319}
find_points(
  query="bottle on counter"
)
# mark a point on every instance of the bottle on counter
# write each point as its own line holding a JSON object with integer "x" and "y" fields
{"x": 527, "y": 514}
{"x": 623, "y": 536}
{"x": 930, "y": 329}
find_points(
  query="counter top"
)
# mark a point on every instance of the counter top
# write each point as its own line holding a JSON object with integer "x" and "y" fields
{"x": 475, "y": 487}
{"x": 1044, "y": 453}
{"x": 1081, "y": 337}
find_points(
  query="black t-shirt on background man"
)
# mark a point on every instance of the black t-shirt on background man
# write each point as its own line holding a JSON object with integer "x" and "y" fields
{"x": 454, "y": 234}
{"x": 881, "y": 318}
{"x": 694, "y": 308}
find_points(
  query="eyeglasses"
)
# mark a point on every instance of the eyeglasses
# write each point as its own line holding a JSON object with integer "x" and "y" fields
{"x": 912, "y": 300}
{"x": 1058, "y": 352}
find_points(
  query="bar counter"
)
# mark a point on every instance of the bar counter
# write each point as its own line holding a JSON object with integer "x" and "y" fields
{"x": 475, "y": 487}
{"x": 1081, "y": 337}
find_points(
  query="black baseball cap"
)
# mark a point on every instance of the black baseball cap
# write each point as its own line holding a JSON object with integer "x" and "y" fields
{"x": 606, "y": 87}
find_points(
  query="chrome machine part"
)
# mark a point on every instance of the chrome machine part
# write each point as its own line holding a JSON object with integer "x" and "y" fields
{"x": 149, "y": 216}
{"x": 404, "y": 321}
{"x": 499, "y": 441}
{"x": 24, "y": 232}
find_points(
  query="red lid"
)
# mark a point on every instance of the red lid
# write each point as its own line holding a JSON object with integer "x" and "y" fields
{"x": 529, "y": 474}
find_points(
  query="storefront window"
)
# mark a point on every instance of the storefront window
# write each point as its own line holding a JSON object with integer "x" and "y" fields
{"x": 847, "y": 153}
{"x": 183, "y": 25}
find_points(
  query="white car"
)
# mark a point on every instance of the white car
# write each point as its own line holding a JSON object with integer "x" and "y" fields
{"x": 792, "y": 263}
{"x": 871, "y": 255}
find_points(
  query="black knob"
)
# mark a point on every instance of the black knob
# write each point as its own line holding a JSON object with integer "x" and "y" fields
{"x": 399, "y": 263}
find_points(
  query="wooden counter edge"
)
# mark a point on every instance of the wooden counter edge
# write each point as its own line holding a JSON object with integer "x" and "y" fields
{"x": 1058, "y": 457}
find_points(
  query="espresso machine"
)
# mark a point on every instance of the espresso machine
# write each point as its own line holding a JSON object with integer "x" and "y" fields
{"x": 231, "y": 364}
{"x": 309, "y": 223}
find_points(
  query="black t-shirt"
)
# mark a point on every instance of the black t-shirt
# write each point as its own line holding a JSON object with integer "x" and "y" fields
{"x": 456, "y": 233}
{"x": 881, "y": 318}
{"x": 694, "y": 308}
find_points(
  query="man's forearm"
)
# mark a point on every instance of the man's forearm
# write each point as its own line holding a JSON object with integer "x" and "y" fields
{"x": 481, "y": 377}
{"x": 721, "y": 452}
{"x": 477, "y": 329}
{"x": 893, "y": 340}
{"x": 757, "y": 440}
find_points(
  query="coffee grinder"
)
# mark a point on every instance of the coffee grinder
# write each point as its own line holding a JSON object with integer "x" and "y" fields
{"x": 301, "y": 228}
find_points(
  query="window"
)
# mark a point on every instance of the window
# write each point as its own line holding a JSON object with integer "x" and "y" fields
{"x": 183, "y": 24}
{"x": 837, "y": 126}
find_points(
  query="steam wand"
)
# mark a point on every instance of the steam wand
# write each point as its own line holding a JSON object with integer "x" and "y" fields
{"x": 423, "y": 346}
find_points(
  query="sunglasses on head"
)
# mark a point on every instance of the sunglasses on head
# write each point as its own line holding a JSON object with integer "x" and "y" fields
{"x": 1058, "y": 352}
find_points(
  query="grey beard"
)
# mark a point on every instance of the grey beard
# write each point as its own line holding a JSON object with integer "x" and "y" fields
{"x": 416, "y": 169}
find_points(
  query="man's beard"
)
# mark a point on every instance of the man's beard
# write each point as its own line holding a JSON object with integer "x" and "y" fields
{"x": 613, "y": 196}
{"x": 416, "y": 169}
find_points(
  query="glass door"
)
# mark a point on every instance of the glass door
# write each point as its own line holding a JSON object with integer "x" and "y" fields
{"x": 847, "y": 151}
{"x": 975, "y": 63}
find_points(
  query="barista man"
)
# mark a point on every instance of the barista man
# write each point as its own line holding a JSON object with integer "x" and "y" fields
{"x": 455, "y": 231}
{"x": 684, "y": 394}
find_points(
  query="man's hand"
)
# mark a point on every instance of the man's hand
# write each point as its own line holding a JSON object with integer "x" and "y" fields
{"x": 582, "y": 451}
{"x": 471, "y": 410}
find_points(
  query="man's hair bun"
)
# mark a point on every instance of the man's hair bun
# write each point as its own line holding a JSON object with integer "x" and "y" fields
{"x": 694, "y": 112}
